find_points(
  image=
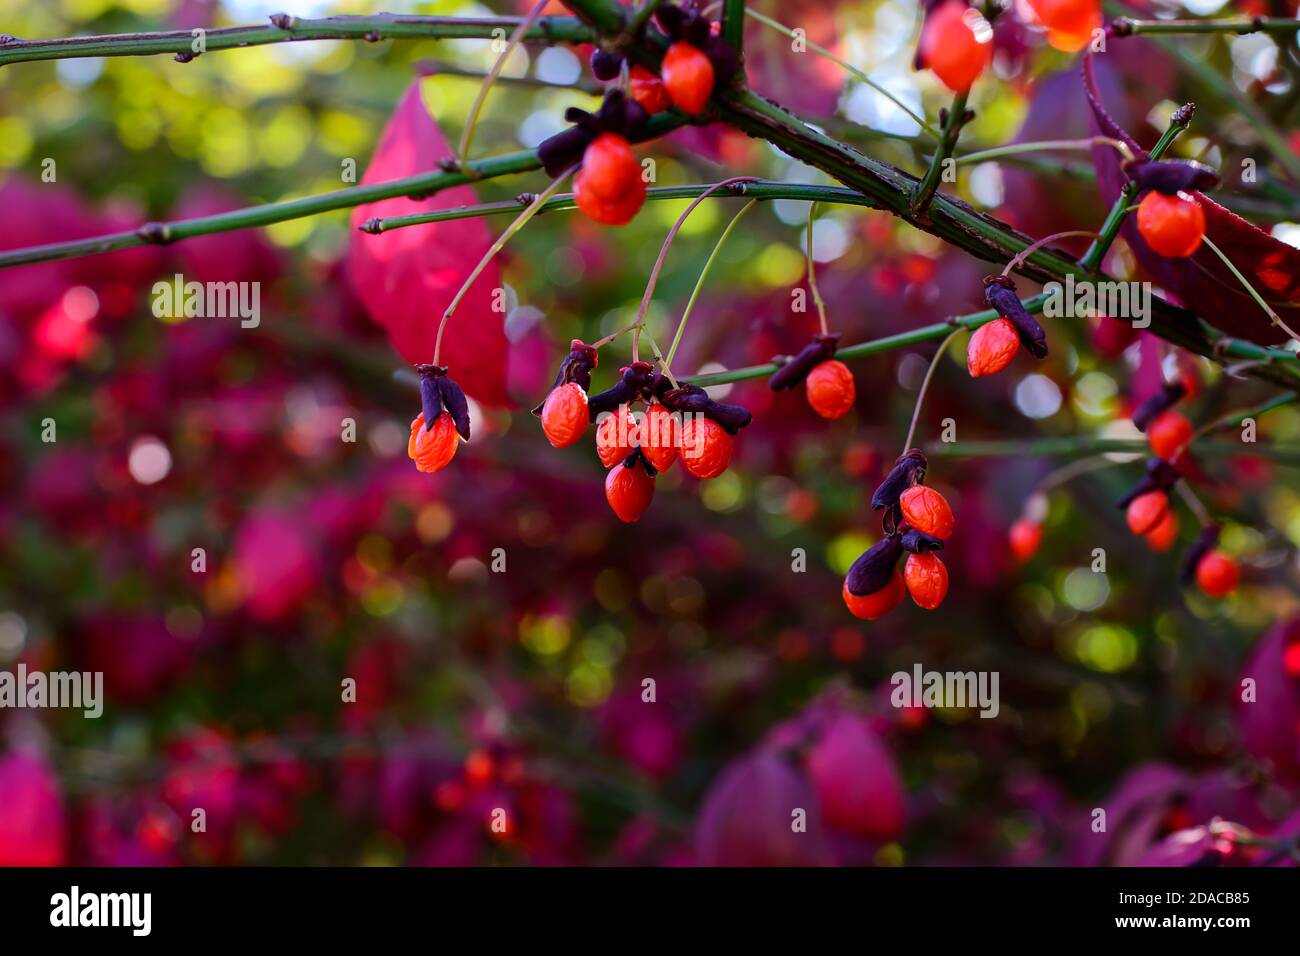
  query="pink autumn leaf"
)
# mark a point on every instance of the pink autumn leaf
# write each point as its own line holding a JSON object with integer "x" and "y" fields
{"x": 1202, "y": 280}
{"x": 407, "y": 277}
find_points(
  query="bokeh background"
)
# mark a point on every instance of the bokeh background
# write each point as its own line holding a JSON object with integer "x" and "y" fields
{"x": 522, "y": 690}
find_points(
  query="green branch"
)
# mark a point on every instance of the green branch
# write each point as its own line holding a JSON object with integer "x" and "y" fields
{"x": 286, "y": 29}
{"x": 953, "y": 120}
{"x": 1087, "y": 445}
{"x": 1129, "y": 27}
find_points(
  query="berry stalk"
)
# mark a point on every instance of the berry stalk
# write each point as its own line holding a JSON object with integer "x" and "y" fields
{"x": 812, "y": 272}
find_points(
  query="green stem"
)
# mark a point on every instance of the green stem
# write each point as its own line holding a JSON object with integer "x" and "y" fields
{"x": 369, "y": 28}
{"x": 1276, "y": 319}
{"x": 953, "y": 123}
{"x": 1059, "y": 447}
{"x": 699, "y": 283}
{"x": 733, "y": 24}
{"x": 812, "y": 273}
{"x": 1015, "y": 149}
{"x": 847, "y": 67}
{"x": 1127, "y": 26}
{"x": 1115, "y": 218}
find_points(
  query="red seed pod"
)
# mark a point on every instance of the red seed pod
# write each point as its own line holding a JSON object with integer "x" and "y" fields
{"x": 648, "y": 90}
{"x": 1069, "y": 23}
{"x": 1146, "y": 511}
{"x": 616, "y": 436}
{"x": 992, "y": 348}
{"x": 927, "y": 511}
{"x": 1024, "y": 537}
{"x": 629, "y": 491}
{"x": 830, "y": 389}
{"x": 1217, "y": 574}
{"x": 1168, "y": 434}
{"x": 956, "y": 43}
{"x": 1171, "y": 225}
{"x": 706, "y": 447}
{"x": 869, "y": 607}
{"x": 564, "y": 415}
{"x": 609, "y": 187}
{"x": 432, "y": 448}
{"x": 1162, "y": 537}
{"x": 927, "y": 579}
{"x": 688, "y": 77}
{"x": 661, "y": 433}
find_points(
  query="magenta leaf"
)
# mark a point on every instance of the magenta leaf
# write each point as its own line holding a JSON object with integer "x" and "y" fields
{"x": 407, "y": 277}
{"x": 1201, "y": 281}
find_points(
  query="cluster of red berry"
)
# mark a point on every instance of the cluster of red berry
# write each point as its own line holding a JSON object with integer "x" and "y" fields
{"x": 679, "y": 421}
{"x": 917, "y": 520}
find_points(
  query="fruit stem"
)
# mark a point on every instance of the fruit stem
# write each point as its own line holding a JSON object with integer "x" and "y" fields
{"x": 471, "y": 121}
{"x": 1015, "y": 149}
{"x": 663, "y": 254}
{"x": 602, "y": 342}
{"x": 925, "y": 385}
{"x": 1232, "y": 419}
{"x": 955, "y": 120}
{"x": 699, "y": 283}
{"x": 1029, "y": 250}
{"x": 521, "y": 220}
{"x": 848, "y": 68}
{"x": 733, "y": 24}
{"x": 1277, "y": 319}
{"x": 1077, "y": 468}
{"x": 1194, "y": 504}
{"x": 812, "y": 272}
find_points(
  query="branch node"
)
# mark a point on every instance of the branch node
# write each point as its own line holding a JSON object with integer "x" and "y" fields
{"x": 8, "y": 38}
{"x": 155, "y": 233}
{"x": 1182, "y": 116}
{"x": 1121, "y": 27}
{"x": 449, "y": 164}
{"x": 372, "y": 36}
{"x": 282, "y": 21}
{"x": 526, "y": 199}
{"x": 184, "y": 56}
{"x": 374, "y": 226}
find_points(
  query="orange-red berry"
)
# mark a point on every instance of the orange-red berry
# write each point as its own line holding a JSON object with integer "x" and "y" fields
{"x": 564, "y": 415}
{"x": 957, "y": 44}
{"x": 1069, "y": 23}
{"x": 661, "y": 432}
{"x": 616, "y": 436}
{"x": 927, "y": 579}
{"x": 706, "y": 447}
{"x": 992, "y": 348}
{"x": 830, "y": 389}
{"x": 629, "y": 491}
{"x": 1162, "y": 537}
{"x": 688, "y": 77}
{"x": 609, "y": 187}
{"x": 1024, "y": 537}
{"x": 927, "y": 511}
{"x": 432, "y": 448}
{"x": 869, "y": 607}
{"x": 1146, "y": 511}
{"x": 648, "y": 90}
{"x": 1168, "y": 434}
{"x": 1171, "y": 225}
{"x": 1217, "y": 574}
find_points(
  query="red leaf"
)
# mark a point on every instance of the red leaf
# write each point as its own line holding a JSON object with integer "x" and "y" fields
{"x": 1201, "y": 281}
{"x": 407, "y": 277}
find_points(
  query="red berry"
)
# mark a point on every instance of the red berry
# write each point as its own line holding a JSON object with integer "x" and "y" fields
{"x": 830, "y": 389}
{"x": 688, "y": 77}
{"x": 956, "y": 43}
{"x": 1161, "y": 538}
{"x": 661, "y": 433}
{"x": 648, "y": 90}
{"x": 869, "y": 607}
{"x": 1146, "y": 511}
{"x": 927, "y": 579}
{"x": 1217, "y": 574}
{"x": 616, "y": 436}
{"x": 432, "y": 448}
{"x": 629, "y": 491}
{"x": 609, "y": 187}
{"x": 1171, "y": 225}
{"x": 564, "y": 415}
{"x": 1024, "y": 537}
{"x": 992, "y": 348}
{"x": 1168, "y": 434}
{"x": 1069, "y": 23}
{"x": 706, "y": 447}
{"x": 927, "y": 511}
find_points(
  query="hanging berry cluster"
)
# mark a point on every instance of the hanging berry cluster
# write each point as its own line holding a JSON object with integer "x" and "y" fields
{"x": 917, "y": 520}
{"x": 995, "y": 344}
{"x": 443, "y": 420}
{"x": 1169, "y": 218}
{"x": 827, "y": 381}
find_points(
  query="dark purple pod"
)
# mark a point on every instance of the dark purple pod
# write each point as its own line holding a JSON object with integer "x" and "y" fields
{"x": 453, "y": 399}
{"x": 1169, "y": 176}
{"x": 606, "y": 64}
{"x": 685, "y": 22}
{"x": 430, "y": 394}
{"x": 918, "y": 542}
{"x": 1205, "y": 542}
{"x": 634, "y": 383}
{"x": 1160, "y": 476}
{"x": 1168, "y": 396}
{"x": 576, "y": 367}
{"x": 796, "y": 369}
{"x": 909, "y": 470}
{"x": 564, "y": 150}
{"x": 874, "y": 568}
{"x": 638, "y": 455}
{"x": 693, "y": 398}
{"x": 723, "y": 58}
{"x": 1000, "y": 295}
